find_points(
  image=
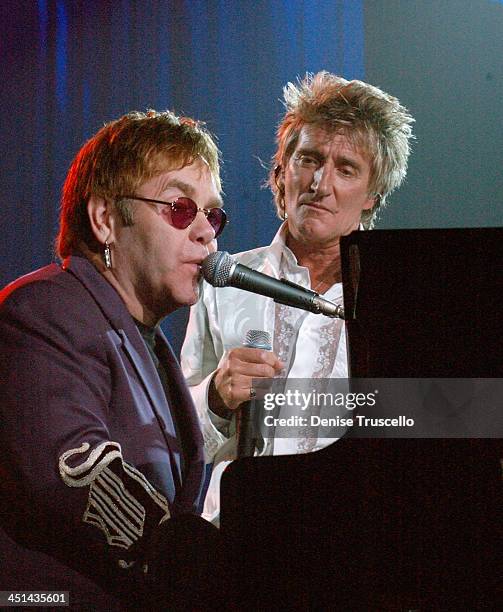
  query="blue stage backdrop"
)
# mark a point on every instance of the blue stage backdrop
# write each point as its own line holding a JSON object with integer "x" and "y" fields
{"x": 68, "y": 66}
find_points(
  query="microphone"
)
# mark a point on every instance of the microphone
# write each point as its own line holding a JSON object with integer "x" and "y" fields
{"x": 247, "y": 440}
{"x": 221, "y": 270}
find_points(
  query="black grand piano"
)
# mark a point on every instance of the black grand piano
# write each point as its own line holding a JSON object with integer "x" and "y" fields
{"x": 380, "y": 523}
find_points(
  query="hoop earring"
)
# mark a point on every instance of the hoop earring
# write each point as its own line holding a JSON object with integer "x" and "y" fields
{"x": 107, "y": 256}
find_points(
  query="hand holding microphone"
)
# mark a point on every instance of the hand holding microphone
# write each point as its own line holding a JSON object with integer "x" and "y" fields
{"x": 247, "y": 436}
{"x": 233, "y": 379}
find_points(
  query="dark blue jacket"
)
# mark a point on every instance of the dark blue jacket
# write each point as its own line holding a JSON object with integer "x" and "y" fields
{"x": 90, "y": 464}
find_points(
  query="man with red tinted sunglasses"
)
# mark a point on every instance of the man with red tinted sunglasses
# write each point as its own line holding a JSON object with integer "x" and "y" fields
{"x": 101, "y": 451}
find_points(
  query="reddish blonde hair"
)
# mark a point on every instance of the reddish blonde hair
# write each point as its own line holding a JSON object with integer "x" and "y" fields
{"x": 121, "y": 156}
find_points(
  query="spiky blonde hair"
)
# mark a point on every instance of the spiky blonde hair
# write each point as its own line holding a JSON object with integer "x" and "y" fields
{"x": 366, "y": 115}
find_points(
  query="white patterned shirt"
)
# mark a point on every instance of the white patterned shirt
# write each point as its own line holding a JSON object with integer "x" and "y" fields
{"x": 311, "y": 346}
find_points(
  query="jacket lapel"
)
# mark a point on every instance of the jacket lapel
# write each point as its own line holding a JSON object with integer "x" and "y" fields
{"x": 145, "y": 369}
{"x": 115, "y": 311}
{"x": 189, "y": 429}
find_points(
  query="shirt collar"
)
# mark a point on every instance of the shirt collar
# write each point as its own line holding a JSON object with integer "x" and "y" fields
{"x": 283, "y": 256}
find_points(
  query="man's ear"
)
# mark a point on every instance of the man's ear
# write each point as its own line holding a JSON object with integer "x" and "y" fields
{"x": 372, "y": 200}
{"x": 101, "y": 219}
{"x": 279, "y": 178}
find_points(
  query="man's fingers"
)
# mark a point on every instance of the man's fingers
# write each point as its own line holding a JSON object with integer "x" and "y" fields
{"x": 234, "y": 378}
{"x": 246, "y": 357}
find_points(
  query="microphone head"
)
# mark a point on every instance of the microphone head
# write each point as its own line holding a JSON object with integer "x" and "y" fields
{"x": 256, "y": 338}
{"x": 216, "y": 268}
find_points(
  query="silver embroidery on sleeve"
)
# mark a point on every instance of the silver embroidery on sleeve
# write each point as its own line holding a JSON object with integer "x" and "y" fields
{"x": 111, "y": 507}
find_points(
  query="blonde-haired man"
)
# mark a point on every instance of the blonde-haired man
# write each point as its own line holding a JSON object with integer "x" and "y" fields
{"x": 342, "y": 148}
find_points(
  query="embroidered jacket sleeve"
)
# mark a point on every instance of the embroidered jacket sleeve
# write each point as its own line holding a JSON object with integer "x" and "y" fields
{"x": 66, "y": 487}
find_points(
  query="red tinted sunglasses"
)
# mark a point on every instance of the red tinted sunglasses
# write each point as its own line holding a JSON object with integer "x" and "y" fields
{"x": 184, "y": 211}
